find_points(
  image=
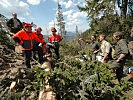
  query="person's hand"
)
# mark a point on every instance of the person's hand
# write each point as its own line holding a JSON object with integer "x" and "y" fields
{"x": 102, "y": 61}
{"x": 95, "y": 51}
{"x": 80, "y": 39}
{"x": 53, "y": 45}
{"x": 13, "y": 27}
{"x": 117, "y": 60}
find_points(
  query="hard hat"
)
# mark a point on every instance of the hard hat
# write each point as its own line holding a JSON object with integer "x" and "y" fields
{"x": 27, "y": 25}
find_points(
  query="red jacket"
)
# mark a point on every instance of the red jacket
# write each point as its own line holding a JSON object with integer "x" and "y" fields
{"x": 54, "y": 38}
{"x": 27, "y": 39}
{"x": 40, "y": 36}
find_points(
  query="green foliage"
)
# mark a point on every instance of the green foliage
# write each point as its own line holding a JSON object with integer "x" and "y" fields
{"x": 13, "y": 96}
{"x": 75, "y": 80}
{"x": 88, "y": 80}
{"x": 72, "y": 79}
{"x": 5, "y": 39}
{"x": 95, "y": 8}
{"x": 103, "y": 20}
{"x": 60, "y": 21}
{"x": 69, "y": 49}
{"x": 109, "y": 25}
{"x": 40, "y": 76}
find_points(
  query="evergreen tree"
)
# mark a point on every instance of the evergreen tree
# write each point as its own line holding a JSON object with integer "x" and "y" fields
{"x": 77, "y": 31}
{"x": 60, "y": 21}
{"x": 96, "y": 8}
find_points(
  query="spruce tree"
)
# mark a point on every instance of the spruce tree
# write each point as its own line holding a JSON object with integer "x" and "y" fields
{"x": 60, "y": 21}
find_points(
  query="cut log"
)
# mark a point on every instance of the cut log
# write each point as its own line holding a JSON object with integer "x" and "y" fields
{"x": 31, "y": 97}
{"x": 46, "y": 65}
{"x": 13, "y": 86}
{"x": 18, "y": 49}
{"x": 47, "y": 95}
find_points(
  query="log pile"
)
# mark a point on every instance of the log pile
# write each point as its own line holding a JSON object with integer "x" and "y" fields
{"x": 17, "y": 82}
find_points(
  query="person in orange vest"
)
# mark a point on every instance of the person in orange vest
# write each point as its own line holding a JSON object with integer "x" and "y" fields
{"x": 36, "y": 45}
{"x": 54, "y": 39}
{"x": 26, "y": 38}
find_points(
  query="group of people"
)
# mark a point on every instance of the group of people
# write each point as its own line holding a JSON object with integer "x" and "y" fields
{"x": 30, "y": 40}
{"x": 103, "y": 51}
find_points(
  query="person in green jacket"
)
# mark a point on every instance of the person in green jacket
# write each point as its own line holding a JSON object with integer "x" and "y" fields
{"x": 121, "y": 51}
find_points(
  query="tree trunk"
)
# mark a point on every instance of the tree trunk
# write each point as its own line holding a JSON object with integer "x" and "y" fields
{"x": 124, "y": 9}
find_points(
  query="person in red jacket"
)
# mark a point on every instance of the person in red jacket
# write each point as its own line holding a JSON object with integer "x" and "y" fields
{"x": 54, "y": 39}
{"x": 26, "y": 38}
{"x": 36, "y": 45}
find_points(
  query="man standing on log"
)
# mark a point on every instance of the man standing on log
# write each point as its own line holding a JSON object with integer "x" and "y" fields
{"x": 54, "y": 39}
{"x": 26, "y": 38}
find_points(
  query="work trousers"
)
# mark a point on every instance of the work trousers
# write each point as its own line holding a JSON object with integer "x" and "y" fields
{"x": 118, "y": 68}
{"x": 56, "y": 49}
{"x": 28, "y": 55}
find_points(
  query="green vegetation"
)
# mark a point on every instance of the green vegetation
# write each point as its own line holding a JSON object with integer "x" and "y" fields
{"x": 75, "y": 80}
{"x": 75, "y": 76}
{"x": 104, "y": 18}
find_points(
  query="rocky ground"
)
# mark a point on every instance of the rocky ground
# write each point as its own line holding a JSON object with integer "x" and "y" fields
{"x": 15, "y": 78}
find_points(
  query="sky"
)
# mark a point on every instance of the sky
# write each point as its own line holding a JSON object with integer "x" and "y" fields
{"x": 43, "y": 13}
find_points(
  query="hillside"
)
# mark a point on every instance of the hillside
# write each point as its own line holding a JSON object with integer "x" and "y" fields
{"x": 74, "y": 76}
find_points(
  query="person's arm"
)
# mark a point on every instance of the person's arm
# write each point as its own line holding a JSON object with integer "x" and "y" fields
{"x": 17, "y": 37}
{"x": 41, "y": 36}
{"x": 17, "y": 40}
{"x": 37, "y": 39}
{"x": 21, "y": 26}
{"x": 105, "y": 56}
{"x": 60, "y": 38}
{"x": 107, "y": 50}
{"x": 96, "y": 51}
{"x": 124, "y": 50}
{"x": 121, "y": 57}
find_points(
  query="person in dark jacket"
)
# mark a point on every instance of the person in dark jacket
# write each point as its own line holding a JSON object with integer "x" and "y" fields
{"x": 36, "y": 44}
{"x": 121, "y": 51}
{"x": 14, "y": 24}
{"x": 94, "y": 46}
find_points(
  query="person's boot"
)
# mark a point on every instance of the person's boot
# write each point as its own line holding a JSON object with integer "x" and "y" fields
{"x": 34, "y": 57}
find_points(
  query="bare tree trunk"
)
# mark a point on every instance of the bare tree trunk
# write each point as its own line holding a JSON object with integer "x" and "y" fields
{"x": 124, "y": 9}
